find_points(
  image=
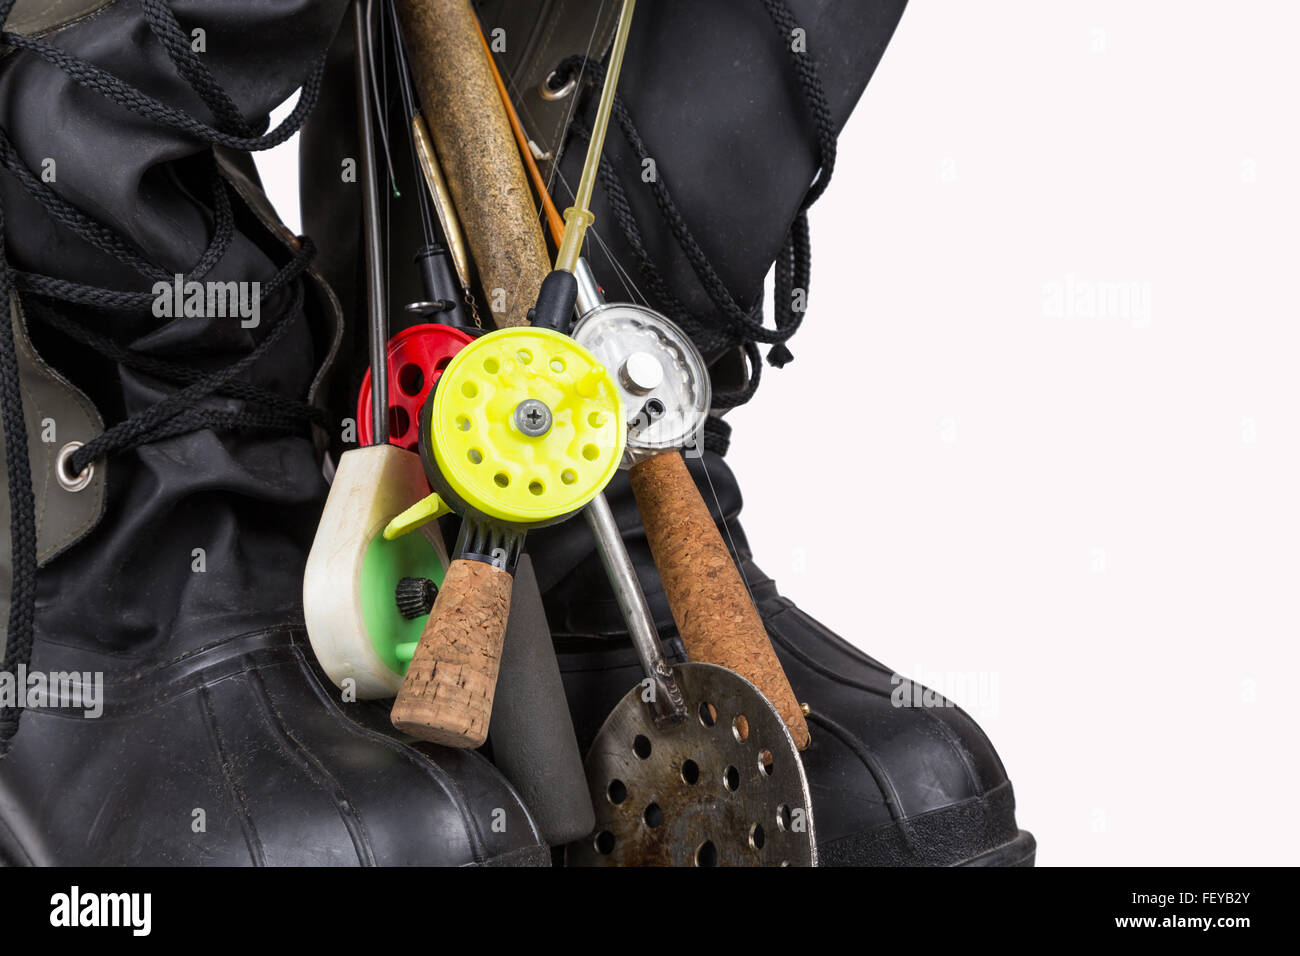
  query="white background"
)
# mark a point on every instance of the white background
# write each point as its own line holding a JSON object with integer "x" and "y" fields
{"x": 1082, "y": 522}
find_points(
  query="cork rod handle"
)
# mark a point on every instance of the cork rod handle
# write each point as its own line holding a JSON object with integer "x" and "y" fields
{"x": 715, "y": 616}
{"x": 446, "y": 697}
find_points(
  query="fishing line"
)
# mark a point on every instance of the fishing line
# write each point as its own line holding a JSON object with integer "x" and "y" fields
{"x": 546, "y": 205}
{"x": 434, "y": 198}
{"x": 555, "y": 163}
{"x": 629, "y": 286}
{"x": 379, "y": 100}
{"x": 411, "y": 110}
{"x": 624, "y": 276}
{"x": 544, "y": 196}
{"x": 727, "y": 528}
{"x": 381, "y": 111}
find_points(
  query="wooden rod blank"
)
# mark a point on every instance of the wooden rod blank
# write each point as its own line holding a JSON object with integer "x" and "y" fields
{"x": 476, "y": 147}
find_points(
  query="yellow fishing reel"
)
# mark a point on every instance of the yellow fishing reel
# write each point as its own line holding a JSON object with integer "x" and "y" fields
{"x": 524, "y": 428}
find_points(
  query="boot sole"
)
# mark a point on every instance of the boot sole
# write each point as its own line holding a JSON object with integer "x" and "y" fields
{"x": 1022, "y": 851}
{"x": 12, "y": 854}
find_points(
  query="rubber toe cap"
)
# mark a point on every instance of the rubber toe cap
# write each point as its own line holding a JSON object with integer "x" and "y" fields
{"x": 242, "y": 754}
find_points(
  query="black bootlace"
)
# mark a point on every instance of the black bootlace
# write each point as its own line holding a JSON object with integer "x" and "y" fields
{"x": 730, "y": 325}
{"x": 179, "y": 412}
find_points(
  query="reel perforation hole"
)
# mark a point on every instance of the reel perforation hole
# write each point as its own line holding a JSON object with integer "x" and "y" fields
{"x": 398, "y": 422}
{"x": 410, "y": 379}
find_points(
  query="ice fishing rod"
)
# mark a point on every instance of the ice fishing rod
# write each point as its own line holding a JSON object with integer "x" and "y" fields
{"x": 709, "y": 751}
{"x": 524, "y": 429}
{"x": 356, "y": 630}
{"x": 666, "y": 389}
{"x": 667, "y": 704}
{"x": 710, "y": 765}
{"x": 377, "y": 299}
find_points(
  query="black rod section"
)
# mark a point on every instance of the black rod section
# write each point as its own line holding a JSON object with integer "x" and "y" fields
{"x": 378, "y": 307}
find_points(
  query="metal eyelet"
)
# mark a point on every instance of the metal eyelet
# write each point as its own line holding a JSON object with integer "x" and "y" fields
{"x": 549, "y": 91}
{"x": 62, "y": 470}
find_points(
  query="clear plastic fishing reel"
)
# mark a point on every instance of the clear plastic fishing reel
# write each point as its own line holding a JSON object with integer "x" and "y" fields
{"x": 659, "y": 373}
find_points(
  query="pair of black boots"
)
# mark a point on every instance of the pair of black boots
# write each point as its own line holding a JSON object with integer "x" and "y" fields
{"x": 175, "y": 570}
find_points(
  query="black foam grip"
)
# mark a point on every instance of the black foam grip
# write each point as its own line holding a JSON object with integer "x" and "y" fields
{"x": 531, "y": 733}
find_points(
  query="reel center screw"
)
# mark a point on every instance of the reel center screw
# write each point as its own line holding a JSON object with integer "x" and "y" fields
{"x": 533, "y": 417}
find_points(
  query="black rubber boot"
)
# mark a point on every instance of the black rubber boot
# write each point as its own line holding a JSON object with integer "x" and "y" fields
{"x": 891, "y": 786}
{"x": 176, "y": 572}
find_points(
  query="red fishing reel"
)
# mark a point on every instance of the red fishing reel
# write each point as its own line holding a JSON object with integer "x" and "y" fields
{"x": 416, "y": 358}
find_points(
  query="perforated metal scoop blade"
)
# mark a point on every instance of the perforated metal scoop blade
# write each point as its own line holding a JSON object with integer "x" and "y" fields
{"x": 726, "y": 787}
